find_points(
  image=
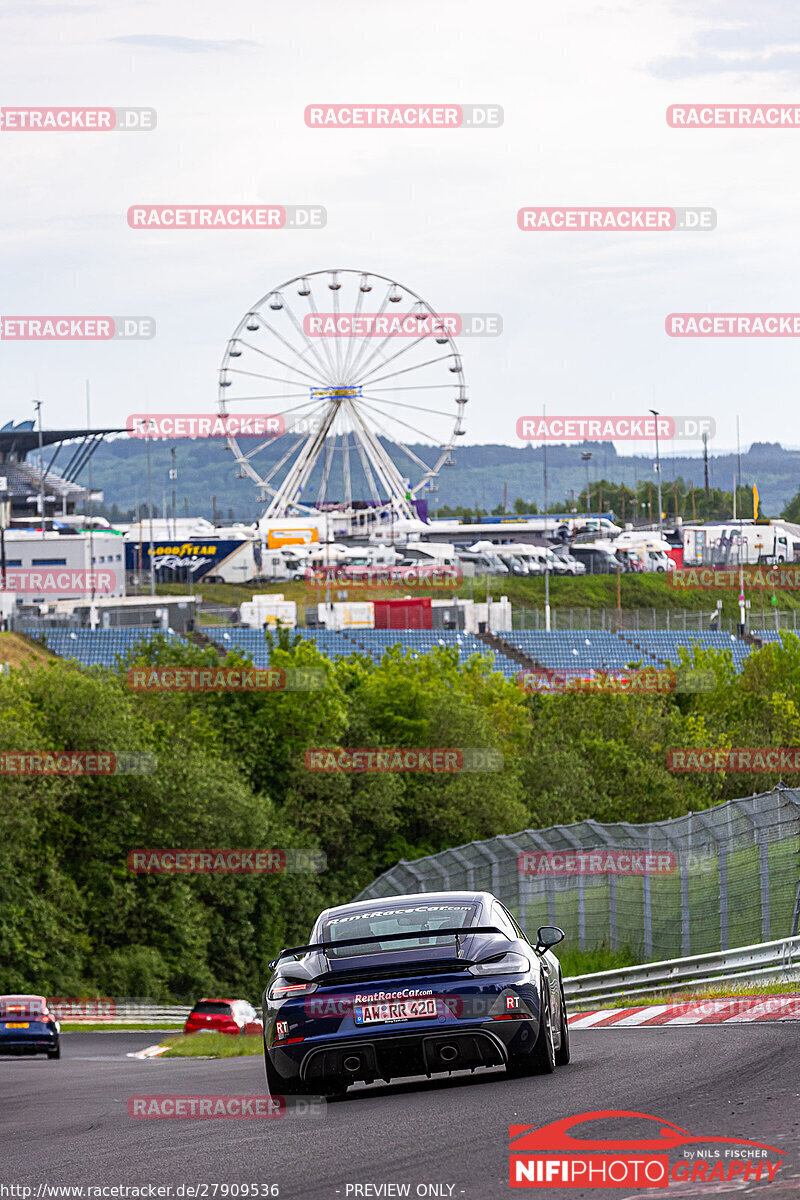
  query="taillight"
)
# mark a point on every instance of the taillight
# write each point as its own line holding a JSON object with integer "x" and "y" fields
{"x": 284, "y": 989}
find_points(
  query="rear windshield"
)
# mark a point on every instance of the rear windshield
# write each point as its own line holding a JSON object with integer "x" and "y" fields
{"x": 212, "y": 1006}
{"x": 422, "y": 918}
{"x": 10, "y": 1008}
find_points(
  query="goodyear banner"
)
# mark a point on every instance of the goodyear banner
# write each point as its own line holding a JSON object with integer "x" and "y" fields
{"x": 191, "y": 559}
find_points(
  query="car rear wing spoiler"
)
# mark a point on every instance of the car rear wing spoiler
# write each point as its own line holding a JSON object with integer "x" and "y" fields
{"x": 324, "y": 947}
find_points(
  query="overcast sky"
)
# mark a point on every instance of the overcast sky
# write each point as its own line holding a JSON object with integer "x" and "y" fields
{"x": 584, "y": 87}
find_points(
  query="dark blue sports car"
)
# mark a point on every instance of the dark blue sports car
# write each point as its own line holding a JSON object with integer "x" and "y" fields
{"x": 413, "y": 985}
{"x": 28, "y": 1027}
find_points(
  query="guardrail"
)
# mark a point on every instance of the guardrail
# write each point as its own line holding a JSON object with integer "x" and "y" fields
{"x": 122, "y": 1013}
{"x": 763, "y": 962}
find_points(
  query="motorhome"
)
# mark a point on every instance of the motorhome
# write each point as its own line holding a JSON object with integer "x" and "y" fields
{"x": 644, "y": 549}
{"x": 730, "y": 544}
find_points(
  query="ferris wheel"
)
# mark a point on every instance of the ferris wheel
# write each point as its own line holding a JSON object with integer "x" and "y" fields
{"x": 368, "y": 384}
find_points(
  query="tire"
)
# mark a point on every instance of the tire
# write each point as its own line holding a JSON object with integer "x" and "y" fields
{"x": 278, "y": 1086}
{"x": 55, "y": 1053}
{"x": 542, "y": 1059}
{"x": 562, "y": 1054}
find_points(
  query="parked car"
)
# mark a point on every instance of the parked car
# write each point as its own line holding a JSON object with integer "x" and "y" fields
{"x": 517, "y": 566}
{"x": 28, "y": 1027}
{"x": 223, "y": 1016}
{"x": 596, "y": 559}
{"x": 564, "y": 563}
{"x": 481, "y": 563}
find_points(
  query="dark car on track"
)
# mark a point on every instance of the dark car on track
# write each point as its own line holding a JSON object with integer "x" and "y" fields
{"x": 413, "y": 985}
{"x": 28, "y": 1027}
{"x": 223, "y": 1016}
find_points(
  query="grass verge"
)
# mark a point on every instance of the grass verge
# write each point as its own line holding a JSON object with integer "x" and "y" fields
{"x": 19, "y": 651}
{"x": 722, "y": 991}
{"x": 586, "y": 962}
{"x": 211, "y": 1045}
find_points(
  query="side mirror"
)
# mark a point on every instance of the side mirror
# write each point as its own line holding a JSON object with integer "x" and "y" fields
{"x": 547, "y": 936}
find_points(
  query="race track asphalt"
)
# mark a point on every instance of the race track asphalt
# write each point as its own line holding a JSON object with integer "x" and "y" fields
{"x": 67, "y": 1122}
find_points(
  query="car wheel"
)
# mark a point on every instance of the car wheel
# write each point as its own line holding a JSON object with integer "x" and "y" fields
{"x": 542, "y": 1059}
{"x": 278, "y": 1086}
{"x": 55, "y": 1053}
{"x": 562, "y": 1053}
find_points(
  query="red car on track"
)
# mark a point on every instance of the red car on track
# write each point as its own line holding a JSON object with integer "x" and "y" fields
{"x": 223, "y": 1016}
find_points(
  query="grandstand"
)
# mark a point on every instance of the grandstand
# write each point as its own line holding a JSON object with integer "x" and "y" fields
{"x": 511, "y": 652}
{"x": 26, "y": 481}
{"x": 94, "y": 647}
{"x": 372, "y": 643}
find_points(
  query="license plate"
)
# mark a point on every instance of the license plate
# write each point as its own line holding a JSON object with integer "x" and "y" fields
{"x": 395, "y": 1010}
{"x": 17, "y": 1024}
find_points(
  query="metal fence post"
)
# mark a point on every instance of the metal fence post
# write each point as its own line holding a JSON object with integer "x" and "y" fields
{"x": 722, "y": 853}
{"x": 763, "y": 874}
{"x": 685, "y": 925}
{"x": 581, "y": 913}
{"x": 647, "y": 916}
{"x": 612, "y": 911}
{"x": 796, "y": 913}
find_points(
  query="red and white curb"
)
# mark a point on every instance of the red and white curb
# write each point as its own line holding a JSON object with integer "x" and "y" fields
{"x": 726, "y": 1011}
{"x": 149, "y": 1052}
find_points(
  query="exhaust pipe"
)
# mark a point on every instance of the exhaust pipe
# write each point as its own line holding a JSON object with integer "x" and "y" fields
{"x": 352, "y": 1064}
{"x": 448, "y": 1053}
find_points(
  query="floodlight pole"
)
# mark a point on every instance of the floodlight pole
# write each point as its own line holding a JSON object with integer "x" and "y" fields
{"x": 546, "y": 557}
{"x": 37, "y": 404}
{"x": 658, "y": 473}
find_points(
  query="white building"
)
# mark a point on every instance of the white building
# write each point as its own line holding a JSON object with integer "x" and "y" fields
{"x": 50, "y": 566}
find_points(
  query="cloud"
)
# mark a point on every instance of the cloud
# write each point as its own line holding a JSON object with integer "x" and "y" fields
{"x": 682, "y": 66}
{"x": 184, "y": 45}
{"x": 737, "y": 39}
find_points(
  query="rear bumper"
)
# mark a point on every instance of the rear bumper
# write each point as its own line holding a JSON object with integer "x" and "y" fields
{"x": 394, "y": 1055}
{"x": 33, "y": 1045}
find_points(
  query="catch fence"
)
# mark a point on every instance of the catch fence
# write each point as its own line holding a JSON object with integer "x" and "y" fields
{"x": 722, "y": 877}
